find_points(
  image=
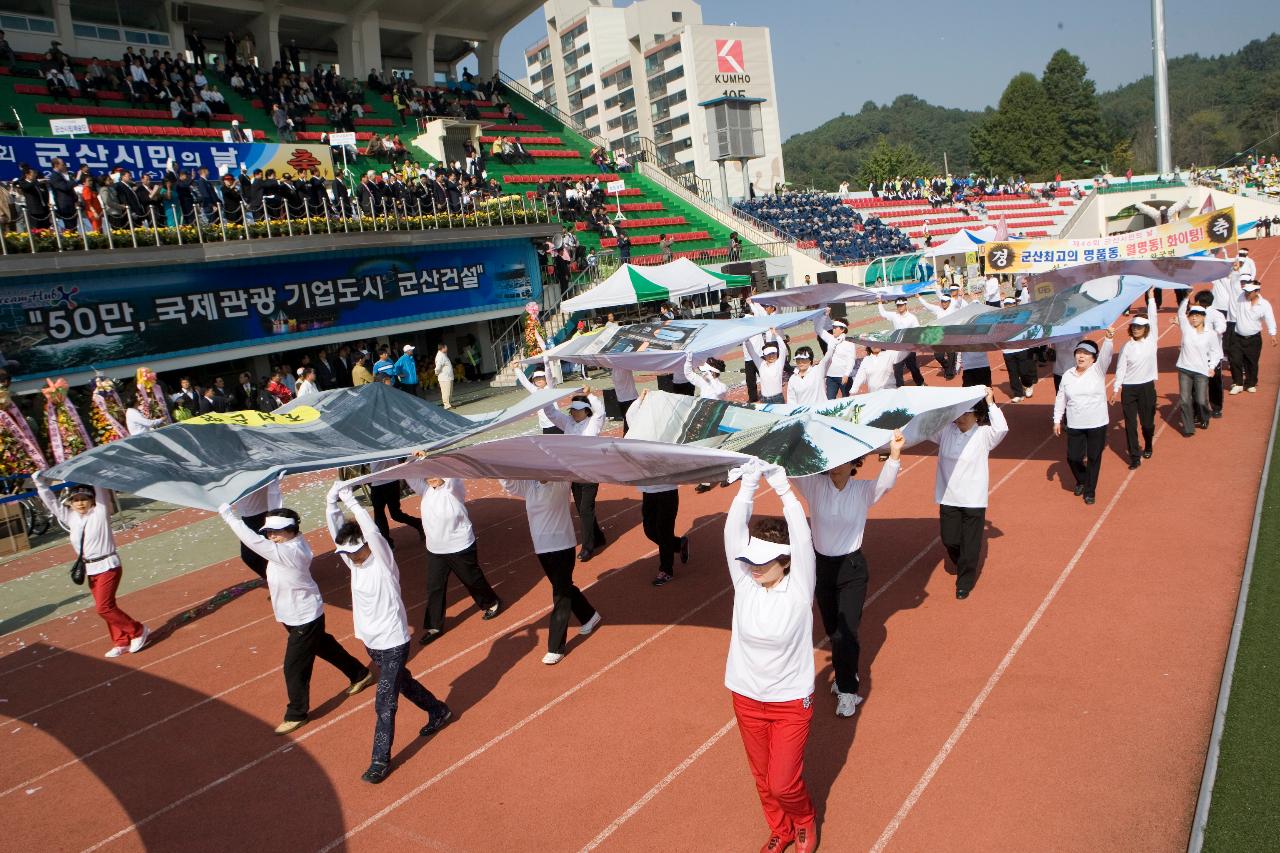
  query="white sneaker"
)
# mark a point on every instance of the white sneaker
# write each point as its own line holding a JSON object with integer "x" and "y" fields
{"x": 589, "y": 625}
{"x": 1236, "y": 389}
{"x": 552, "y": 658}
{"x": 1253, "y": 390}
{"x": 137, "y": 643}
{"x": 117, "y": 651}
{"x": 847, "y": 704}
{"x": 1031, "y": 392}
{"x": 835, "y": 689}
{"x": 1017, "y": 400}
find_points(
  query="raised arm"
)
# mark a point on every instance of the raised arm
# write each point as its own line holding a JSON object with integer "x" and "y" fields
{"x": 736, "y": 531}
{"x": 888, "y": 315}
{"x": 999, "y": 427}
{"x": 56, "y": 508}
{"x": 1103, "y": 364}
{"x": 1152, "y": 315}
{"x": 255, "y": 542}
{"x": 692, "y": 376}
{"x": 804, "y": 568}
{"x": 752, "y": 353}
{"x": 368, "y": 529}
{"x": 557, "y": 417}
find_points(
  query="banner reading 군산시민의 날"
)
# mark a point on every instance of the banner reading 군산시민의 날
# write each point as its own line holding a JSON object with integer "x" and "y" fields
{"x": 1173, "y": 240}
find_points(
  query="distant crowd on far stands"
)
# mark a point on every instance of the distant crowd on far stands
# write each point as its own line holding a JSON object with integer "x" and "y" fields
{"x": 946, "y": 190}
{"x": 827, "y": 224}
{"x": 1258, "y": 172}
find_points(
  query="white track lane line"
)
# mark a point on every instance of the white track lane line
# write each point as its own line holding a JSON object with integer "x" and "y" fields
{"x": 312, "y": 731}
{"x": 688, "y": 762}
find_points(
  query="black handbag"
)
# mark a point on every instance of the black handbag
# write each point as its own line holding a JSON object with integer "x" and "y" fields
{"x": 77, "y": 568}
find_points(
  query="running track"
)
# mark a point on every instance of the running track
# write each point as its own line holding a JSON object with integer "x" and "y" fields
{"x": 1065, "y": 705}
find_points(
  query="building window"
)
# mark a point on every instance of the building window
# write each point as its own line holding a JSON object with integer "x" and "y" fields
{"x": 677, "y": 17}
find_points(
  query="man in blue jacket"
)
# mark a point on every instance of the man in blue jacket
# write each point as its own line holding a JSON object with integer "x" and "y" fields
{"x": 407, "y": 371}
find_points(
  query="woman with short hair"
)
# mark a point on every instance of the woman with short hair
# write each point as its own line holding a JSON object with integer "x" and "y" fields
{"x": 1135, "y": 382}
{"x": 1082, "y": 402}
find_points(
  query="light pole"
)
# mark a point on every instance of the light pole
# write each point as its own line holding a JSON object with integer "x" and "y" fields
{"x": 1164, "y": 152}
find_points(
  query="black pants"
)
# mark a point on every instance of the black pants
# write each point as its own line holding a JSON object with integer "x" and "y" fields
{"x": 751, "y": 374}
{"x": 948, "y": 362}
{"x": 1215, "y": 391}
{"x": 251, "y": 558}
{"x": 840, "y": 593}
{"x": 566, "y": 598}
{"x": 584, "y": 498}
{"x": 1084, "y": 455}
{"x": 912, "y": 363}
{"x": 552, "y": 430}
{"x": 395, "y": 681}
{"x": 1139, "y": 403}
{"x": 1022, "y": 371}
{"x": 658, "y": 512}
{"x": 306, "y": 643}
{"x": 976, "y": 376}
{"x": 466, "y": 566}
{"x": 1231, "y": 351}
{"x": 623, "y": 407}
{"x": 961, "y": 532}
{"x": 1250, "y": 349}
{"x": 385, "y": 498}
{"x": 407, "y": 387}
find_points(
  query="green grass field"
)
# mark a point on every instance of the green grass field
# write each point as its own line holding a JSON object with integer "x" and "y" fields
{"x": 1245, "y": 810}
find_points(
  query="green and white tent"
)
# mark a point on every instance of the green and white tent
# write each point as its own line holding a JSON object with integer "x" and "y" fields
{"x": 632, "y": 285}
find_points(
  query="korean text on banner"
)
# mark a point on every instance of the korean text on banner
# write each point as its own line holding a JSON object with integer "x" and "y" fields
{"x": 68, "y": 126}
{"x": 1175, "y": 239}
{"x": 336, "y": 139}
{"x": 616, "y": 186}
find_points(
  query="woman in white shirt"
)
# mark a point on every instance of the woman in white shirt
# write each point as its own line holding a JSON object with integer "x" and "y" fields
{"x": 86, "y": 513}
{"x": 960, "y": 487}
{"x": 380, "y": 621}
{"x": 586, "y": 417}
{"x": 1082, "y": 400}
{"x": 1135, "y": 382}
{"x": 770, "y": 670}
{"x": 707, "y": 377}
{"x": 838, "y": 507}
{"x": 136, "y": 422}
{"x": 1253, "y": 316}
{"x": 551, "y": 528}
{"x": 296, "y": 603}
{"x": 877, "y": 370}
{"x": 1198, "y": 355}
{"x": 769, "y": 367}
{"x": 808, "y": 383}
{"x": 902, "y": 318}
{"x": 841, "y": 358}
{"x": 451, "y": 547}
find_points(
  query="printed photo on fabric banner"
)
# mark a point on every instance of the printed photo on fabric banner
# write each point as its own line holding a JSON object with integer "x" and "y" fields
{"x": 203, "y": 462}
{"x": 110, "y": 318}
{"x": 153, "y": 158}
{"x": 807, "y": 296}
{"x": 919, "y": 411}
{"x": 1201, "y": 233}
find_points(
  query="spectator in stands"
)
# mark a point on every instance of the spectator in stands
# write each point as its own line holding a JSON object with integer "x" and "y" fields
{"x": 195, "y": 44}
{"x": 7, "y": 56}
{"x": 56, "y": 85}
{"x": 664, "y": 246}
{"x": 200, "y": 111}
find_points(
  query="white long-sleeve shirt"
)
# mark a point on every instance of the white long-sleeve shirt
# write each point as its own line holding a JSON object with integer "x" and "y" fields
{"x": 1200, "y": 350}
{"x": 138, "y": 423}
{"x": 295, "y": 597}
{"x": 624, "y": 384}
{"x": 808, "y": 388}
{"x": 709, "y": 386}
{"x": 445, "y": 520}
{"x": 1226, "y": 292}
{"x": 771, "y": 646}
{"x": 842, "y": 353}
{"x": 1248, "y": 268}
{"x": 899, "y": 319}
{"x": 1137, "y": 362}
{"x": 93, "y": 528}
{"x": 377, "y": 607}
{"x": 444, "y": 367}
{"x": 306, "y": 388}
{"x": 770, "y": 372}
{"x": 991, "y": 289}
{"x": 942, "y": 309}
{"x": 588, "y": 426}
{"x": 876, "y": 371}
{"x": 1082, "y": 397}
{"x": 259, "y": 501}
{"x": 838, "y": 517}
{"x": 962, "y": 478}
{"x": 1252, "y": 316}
{"x": 547, "y": 507}
{"x": 544, "y": 422}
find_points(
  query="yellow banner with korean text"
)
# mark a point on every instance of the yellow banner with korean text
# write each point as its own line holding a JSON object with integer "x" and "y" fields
{"x": 294, "y": 417}
{"x": 1179, "y": 239}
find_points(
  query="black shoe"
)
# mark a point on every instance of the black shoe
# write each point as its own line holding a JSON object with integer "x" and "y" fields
{"x": 1202, "y": 424}
{"x": 493, "y": 610}
{"x": 1079, "y": 490}
{"x": 1134, "y": 462}
{"x": 1088, "y": 499}
{"x": 438, "y": 721}
{"x": 684, "y": 549}
{"x": 1217, "y": 414}
{"x": 585, "y": 555}
{"x": 376, "y": 773}
{"x": 1146, "y": 454}
{"x": 430, "y": 637}
{"x": 962, "y": 593}
{"x": 702, "y": 488}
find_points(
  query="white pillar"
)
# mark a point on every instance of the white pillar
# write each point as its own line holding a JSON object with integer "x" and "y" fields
{"x": 487, "y": 57}
{"x": 348, "y": 61}
{"x": 66, "y": 34}
{"x": 368, "y": 47}
{"x": 266, "y": 36}
{"x": 423, "y": 48}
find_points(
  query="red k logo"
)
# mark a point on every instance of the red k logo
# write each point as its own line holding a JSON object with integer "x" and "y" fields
{"x": 729, "y": 56}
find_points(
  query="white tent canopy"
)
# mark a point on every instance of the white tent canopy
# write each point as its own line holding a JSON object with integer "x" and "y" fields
{"x": 632, "y": 285}
{"x": 963, "y": 242}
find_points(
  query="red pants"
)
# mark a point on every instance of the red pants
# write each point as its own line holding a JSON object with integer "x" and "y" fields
{"x": 774, "y": 734}
{"x": 120, "y": 625}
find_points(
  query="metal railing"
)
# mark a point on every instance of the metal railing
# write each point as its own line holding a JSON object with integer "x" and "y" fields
{"x": 216, "y": 223}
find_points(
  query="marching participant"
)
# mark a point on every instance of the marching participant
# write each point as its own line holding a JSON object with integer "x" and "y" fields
{"x": 841, "y": 356}
{"x": 878, "y": 370}
{"x": 659, "y": 506}
{"x": 808, "y": 384}
{"x": 961, "y": 485}
{"x": 838, "y": 506}
{"x": 769, "y": 367}
{"x": 946, "y": 306}
{"x": 451, "y": 547}
{"x": 586, "y": 417}
{"x": 297, "y": 605}
{"x": 770, "y": 670}
{"x": 1135, "y": 382}
{"x": 551, "y": 528}
{"x": 541, "y": 378}
{"x": 707, "y": 377}
{"x": 1217, "y": 321}
{"x": 1020, "y": 364}
{"x": 1253, "y": 313}
{"x": 975, "y": 368}
{"x": 901, "y": 318}
{"x": 1199, "y": 354}
{"x": 252, "y": 509}
{"x": 380, "y": 621}
{"x": 624, "y": 391}
{"x": 86, "y": 514}
{"x": 1082, "y": 400}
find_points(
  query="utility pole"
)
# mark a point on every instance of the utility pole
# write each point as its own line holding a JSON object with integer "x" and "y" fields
{"x": 1164, "y": 152}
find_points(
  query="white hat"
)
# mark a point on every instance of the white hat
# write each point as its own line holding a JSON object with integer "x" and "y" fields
{"x": 1089, "y": 347}
{"x": 580, "y": 404}
{"x": 901, "y": 300}
{"x": 706, "y": 368}
{"x": 1008, "y": 300}
{"x": 944, "y": 296}
{"x": 1243, "y": 252}
{"x": 1251, "y": 287}
{"x": 408, "y": 347}
{"x": 1197, "y": 309}
{"x": 840, "y": 323}
{"x": 538, "y": 373}
{"x": 768, "y": 348}
{"x": 350, "y": 547}
{"x": 1140, "y": 321}
{"x": 277, "y": 522}
{"x": 301, "y": 370}
{"x": 760, "y": 552}
{"x": 804, "y": 356}
{"x": 235, "y": 122}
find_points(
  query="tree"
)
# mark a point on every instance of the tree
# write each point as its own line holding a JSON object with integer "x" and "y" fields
{"x": 1023, "y": 136}
{"x": 886, "y": 161}
{"x": 1074, "y": 100}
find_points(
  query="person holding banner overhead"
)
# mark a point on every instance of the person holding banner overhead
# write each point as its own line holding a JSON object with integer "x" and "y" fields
{"x": 1199, "y": 353}
{"x": 586, "y": 417}
{"x": 808, "y": 383}
{"x": 1082, "y": 401}
{"x": 901, "y": 318}
{"x": 1135, "y": 382}
{"x": 842, "y": 355}
{"x": 769, "y": 366}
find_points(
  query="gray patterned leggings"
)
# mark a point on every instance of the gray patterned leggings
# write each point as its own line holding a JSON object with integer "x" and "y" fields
{"x": 393, "y": 680}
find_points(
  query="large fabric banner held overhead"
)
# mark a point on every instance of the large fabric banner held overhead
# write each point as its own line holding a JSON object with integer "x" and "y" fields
{"x": 1188, "y": 236}
{"x": 214, "y": 459}
{"x": 660, "y": 347}
{"x": 1165, "y": 273}
{"x": 919, "y": 411}
{"x": 808, "y": 296}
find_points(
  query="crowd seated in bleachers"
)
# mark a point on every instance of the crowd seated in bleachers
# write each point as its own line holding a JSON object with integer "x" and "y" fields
{"x": 824, "y": 222}
{"x": 946, "y": 190}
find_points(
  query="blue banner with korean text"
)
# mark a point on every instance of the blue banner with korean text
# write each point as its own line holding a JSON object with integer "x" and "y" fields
{"x": 63, "y": 323}
{"x": 154, "y": 157}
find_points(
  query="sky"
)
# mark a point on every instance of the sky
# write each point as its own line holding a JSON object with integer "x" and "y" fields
{"x": 831, "y": 56}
